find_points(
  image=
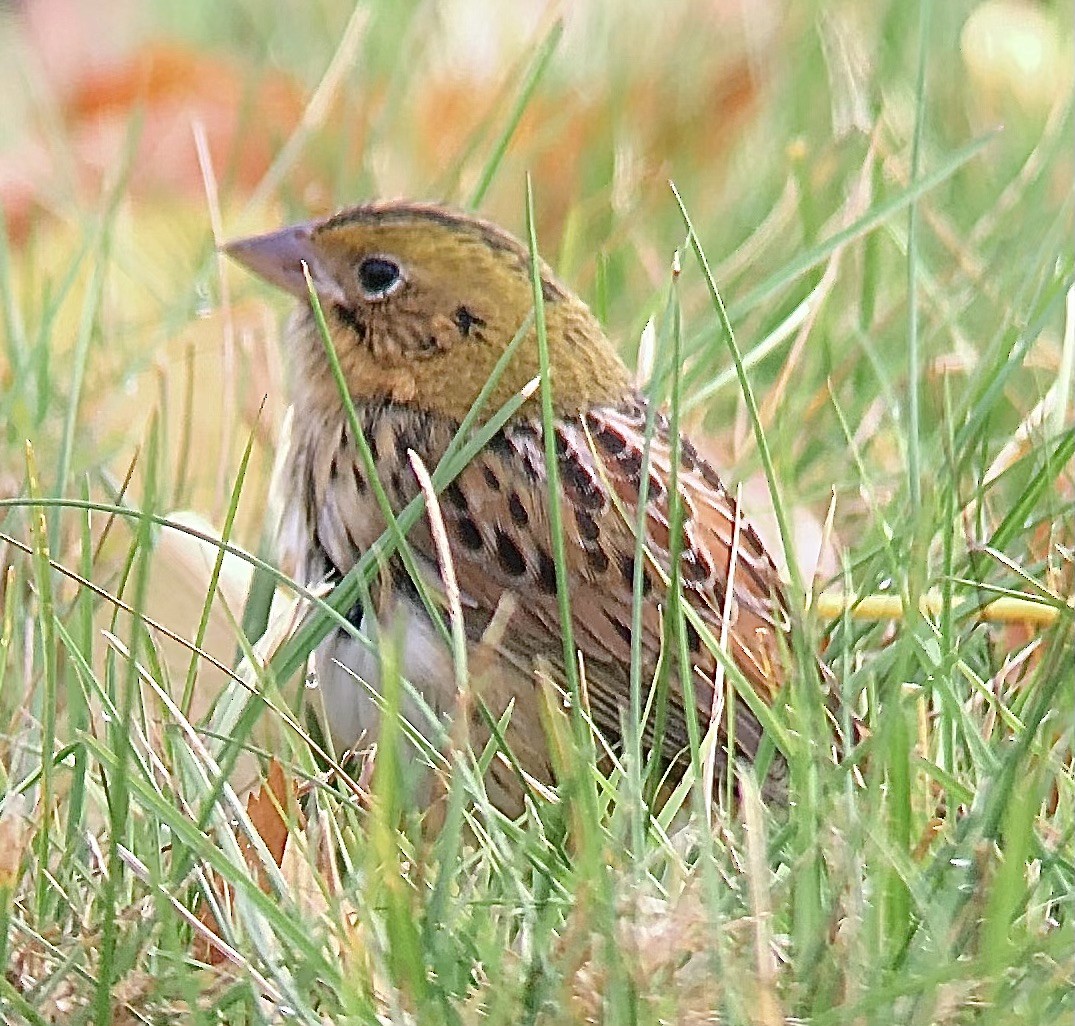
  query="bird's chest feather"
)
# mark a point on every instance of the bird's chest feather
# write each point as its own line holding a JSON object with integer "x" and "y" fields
{"x": 338, "y": 506}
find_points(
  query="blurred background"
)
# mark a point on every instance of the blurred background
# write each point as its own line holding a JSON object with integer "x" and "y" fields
{"x": 884, "y": 192}
{"x": 136, "y": 135}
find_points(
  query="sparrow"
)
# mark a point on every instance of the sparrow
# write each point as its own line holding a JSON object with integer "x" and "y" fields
{"x": 421, "y": 302}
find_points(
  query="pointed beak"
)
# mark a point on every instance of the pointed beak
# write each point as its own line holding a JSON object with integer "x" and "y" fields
{"x": 278, "y": 258}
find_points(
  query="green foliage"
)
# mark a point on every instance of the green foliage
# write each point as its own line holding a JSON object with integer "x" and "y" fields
{"x": 895, "y": 269}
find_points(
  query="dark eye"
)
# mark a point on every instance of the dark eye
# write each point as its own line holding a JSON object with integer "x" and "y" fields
{"x": 379, "y": 277}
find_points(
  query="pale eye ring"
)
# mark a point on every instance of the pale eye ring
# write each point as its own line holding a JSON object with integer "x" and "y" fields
{"x": 379, "y": 277}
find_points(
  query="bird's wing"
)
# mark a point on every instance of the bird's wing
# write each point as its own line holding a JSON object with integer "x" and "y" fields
{"x": 497, "y": 517}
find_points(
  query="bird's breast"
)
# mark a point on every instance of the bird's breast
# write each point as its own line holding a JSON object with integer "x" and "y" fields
{"x": 333, "y": 485}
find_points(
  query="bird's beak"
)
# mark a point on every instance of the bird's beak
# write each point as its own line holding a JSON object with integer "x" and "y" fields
{"x": 279, "y": 256}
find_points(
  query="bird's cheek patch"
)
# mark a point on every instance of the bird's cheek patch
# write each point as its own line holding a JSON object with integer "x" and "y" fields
{"x": 439, "y": 338}
{"x": 467, "y": 321}
{"x": 403, "y": 388}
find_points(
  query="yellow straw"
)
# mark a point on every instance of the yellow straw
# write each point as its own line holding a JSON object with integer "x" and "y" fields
{"x": 1006, "y": 609}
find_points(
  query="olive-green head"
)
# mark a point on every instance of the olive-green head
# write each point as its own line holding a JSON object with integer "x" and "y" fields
{"x": 421, "y": 303}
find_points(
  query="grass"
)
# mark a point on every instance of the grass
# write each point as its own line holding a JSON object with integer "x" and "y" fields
{"x": 871, "y": 312}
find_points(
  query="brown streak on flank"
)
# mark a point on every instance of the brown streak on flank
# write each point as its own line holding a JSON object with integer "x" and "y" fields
{"x": 502, "y": 446}
{"x": 455, "y": 495}
{"x": 688, "y": 456}
{"x": 310, "y": 497}
{"x": 468, "y": 533}
{"x": 612, "y": 442}
{"x": 518, "y": 510}
{"x": 546, "y": 573}
{"x": 597, "y": 560}
{"x": 580, "y": 481}
{"x": 695, "y": 566}
{"x": 694, "y": 639}
{"x": 622, "y": 629}
{"x": 509, "y": 555}
{"x": 631, "y": 465}
{"x": 587, "y": 525}
{"x": 403, "y": 444}
{"x": 627, "y": 571}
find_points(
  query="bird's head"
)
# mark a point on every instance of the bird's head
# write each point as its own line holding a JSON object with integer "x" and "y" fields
{"x": 421, "y": 303}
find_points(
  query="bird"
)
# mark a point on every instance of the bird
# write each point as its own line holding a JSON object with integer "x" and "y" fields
{"x": 421, "y": 301}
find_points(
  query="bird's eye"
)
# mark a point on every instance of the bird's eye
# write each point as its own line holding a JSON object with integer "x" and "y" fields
{"x": 379, "y": 277}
